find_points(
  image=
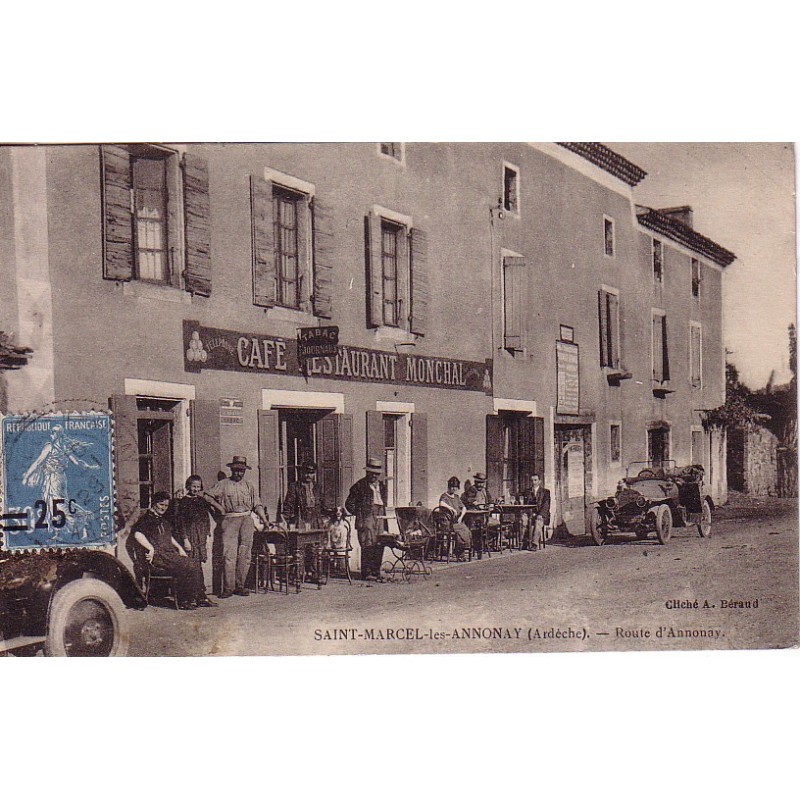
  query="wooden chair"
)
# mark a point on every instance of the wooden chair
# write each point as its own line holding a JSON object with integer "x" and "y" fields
{"x": 443, "y": 535}
{"x": 279, "y": 564}
{"x": 337, "y": 558}
{"x": 146, "y": 574}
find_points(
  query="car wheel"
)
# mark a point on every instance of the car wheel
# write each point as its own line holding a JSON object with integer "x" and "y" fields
{"x": 87, "y": 618}
{"x": 596, "y": 526}
{"x": 704, "y": 526}
{"x": 663, "y": 523}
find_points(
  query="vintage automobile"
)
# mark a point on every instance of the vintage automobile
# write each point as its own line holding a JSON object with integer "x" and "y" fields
{"x": 66, "y": 602}
{"x": 653, "y": 497}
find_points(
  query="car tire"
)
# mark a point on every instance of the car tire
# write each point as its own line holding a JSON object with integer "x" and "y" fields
{"x": 663, "y": 523}
{"x": 87, "y": 618}
{"x": 704, "y": 526}
{"x": 594, "y": 526}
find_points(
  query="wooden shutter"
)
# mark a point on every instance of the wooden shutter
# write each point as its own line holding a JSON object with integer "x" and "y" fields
{"x": 197, "y": 272}
{"x": 538, "y": 447}
{"x": 115, "y": 165}
{"x": 374, "y": 270}
{"x": 345, "y": 455}
{"x": 323, "y": 257}
{"x": 494, "y": 454}
{"x": 613, "y": 330}
{"x": 327, "y": 457}
{"x": 602, "y": 315}
{"x": 419, "y": 458}
{"x": 268, "y": 473}
{"x": 665, "y": 347}
{"x": 375, "y": 440}
{"x": 513, "y": 302}
{"x": 420, "y": 289}
{"x": 206, "y": 455}
{"x": 695, "y": 345}
{"x": 265, "y": 278}
{"x": 126, "y": 455}
{"x": 526, "y": 455}
{"x": 658, "y": 348}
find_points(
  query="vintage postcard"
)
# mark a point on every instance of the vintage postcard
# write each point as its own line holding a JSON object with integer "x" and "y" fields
{"x": 397, "y": 397}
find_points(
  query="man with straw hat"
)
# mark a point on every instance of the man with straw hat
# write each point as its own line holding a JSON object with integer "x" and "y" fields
{"x": 367, "y": 502}
{"x": 237, "y": 499}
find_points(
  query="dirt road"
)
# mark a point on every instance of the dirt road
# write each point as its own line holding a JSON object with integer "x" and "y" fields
{"x": 738, "y": 589}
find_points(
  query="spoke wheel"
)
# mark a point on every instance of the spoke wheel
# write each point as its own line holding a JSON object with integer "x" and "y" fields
{"x": 596, "y": 526}
{"x": 663, "y": 523}
{"x": 704, "y": 526}
{"x": 87, "y": 618}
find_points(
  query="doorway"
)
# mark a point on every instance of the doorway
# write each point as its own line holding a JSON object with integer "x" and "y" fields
{"x": 573, "y": 445}
{"x": 658, "y": 445}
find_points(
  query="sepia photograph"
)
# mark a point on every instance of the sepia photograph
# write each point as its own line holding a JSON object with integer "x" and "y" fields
{"x": 265, "y": 399}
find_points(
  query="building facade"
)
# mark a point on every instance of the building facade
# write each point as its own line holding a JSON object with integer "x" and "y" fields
{"x": 505, "y": 308}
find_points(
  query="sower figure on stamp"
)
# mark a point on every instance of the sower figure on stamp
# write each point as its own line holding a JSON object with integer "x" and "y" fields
{"x": 539, "y": 497}
{"x": 367, "y": 502}
{"x": 154, "y": 537}
{"x": 237, "y": 499}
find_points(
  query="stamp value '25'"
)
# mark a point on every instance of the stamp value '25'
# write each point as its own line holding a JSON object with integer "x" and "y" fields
{"x": 57, "y": 481}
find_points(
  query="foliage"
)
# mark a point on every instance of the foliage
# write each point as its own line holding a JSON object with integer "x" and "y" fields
{"x": 738, "y": 410}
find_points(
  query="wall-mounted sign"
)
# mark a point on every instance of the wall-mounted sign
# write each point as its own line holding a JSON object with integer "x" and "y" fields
{"x": 568, "y": 367}
{"x": 566, "y": 333}
{"x": 215, "y": 348}
{"x": 322, "y": 341}
{"x": 231, "y": 411}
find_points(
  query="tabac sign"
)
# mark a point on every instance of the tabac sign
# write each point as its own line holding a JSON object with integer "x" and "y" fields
{"x": 215, "y": 348}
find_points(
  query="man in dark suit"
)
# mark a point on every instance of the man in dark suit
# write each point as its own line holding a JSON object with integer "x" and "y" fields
{"x": 367, "y": 502}
{"x": 539, "y": 497}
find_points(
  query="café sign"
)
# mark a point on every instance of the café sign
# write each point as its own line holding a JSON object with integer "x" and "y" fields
{"x": 216, "y": 348}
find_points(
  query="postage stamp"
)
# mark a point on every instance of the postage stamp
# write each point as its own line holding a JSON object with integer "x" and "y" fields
{"x": 57, "y": 481}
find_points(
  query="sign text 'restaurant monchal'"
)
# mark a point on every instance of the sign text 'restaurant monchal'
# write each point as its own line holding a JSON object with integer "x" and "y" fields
{"x": 215, "y": 348}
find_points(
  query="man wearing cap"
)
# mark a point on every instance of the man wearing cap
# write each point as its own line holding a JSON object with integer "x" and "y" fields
{"x": 301, "y": 507}
{"x": 367, "y": 502}
{"x": 236, "y": 499}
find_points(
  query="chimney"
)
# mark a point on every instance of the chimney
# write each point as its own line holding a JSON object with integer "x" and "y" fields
{"x": 682, "y": 214}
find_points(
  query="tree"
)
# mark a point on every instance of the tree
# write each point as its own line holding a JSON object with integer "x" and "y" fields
{"x": 738, "y": 410}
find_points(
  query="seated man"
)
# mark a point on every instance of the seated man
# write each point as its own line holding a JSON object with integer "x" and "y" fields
{"x": 154, "y": 536}
{"x": 539, "y": 497}
{"x": 451, "y": 501}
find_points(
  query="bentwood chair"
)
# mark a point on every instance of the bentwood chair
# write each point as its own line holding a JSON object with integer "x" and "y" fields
{"x": 336, "y": 557}
{"x": 443, "y": 535}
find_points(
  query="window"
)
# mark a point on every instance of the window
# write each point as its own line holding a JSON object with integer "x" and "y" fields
{"x": 511, "y": 188}
{"x": 658, "y": 445}
{"x": 698, "y": 447}
{"x": 393, "y": 150}
{"x": 514, "y": 268}
{"x": 660, "y": 350}
{"x": 695, "y": 278}
{"x": 608, "y": 236}
{"x": 286, "y": 208}
{"x": 608, "y": 301}
{"x": 155, "y": 425}
{"x": 390, "y": 454}
{"x": 696, "y": 354}
{"x": 390, "y": 246}
{"x": 658, "y": 261}
{"x": 291, "y": 245}
{"x": 615, "y": 443}
{"x": 156, "y": 216}
{"x": 514, "y": 452}
{"x": 397, "y": 278}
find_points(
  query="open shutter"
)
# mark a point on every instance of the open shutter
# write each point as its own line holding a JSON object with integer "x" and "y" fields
{"x": 268, "y": 475}
{"x": 658, "y": 349}
{"x": 375, "y": 440}
{"x": 420, "y": 290}
{"x": 494, "y": 455}
{"x": 126, "y": 456}
{"x": 264, "y": 277}
{"x": 527, "y": 453}
{"x": 374, "y": 270}
{"x": 613, "y": 330}
{"x": 345, "y": 455}
{"x": 206, "y": 455}
{"x": 115, "y": 165}
{"x": 513, "y": 301}
{"x": 538, "y": 447}
{"x": 327, "y": 435}
{"x": 323, "y": 250}
{"x": 197, "y": 273}
{"x": 419, "y": 458}
{"x": 664, "y": 345}
{"x": 602, "y": 316}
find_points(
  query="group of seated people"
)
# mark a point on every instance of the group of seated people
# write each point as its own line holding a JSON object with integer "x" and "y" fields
{"x": 476, "y": 497}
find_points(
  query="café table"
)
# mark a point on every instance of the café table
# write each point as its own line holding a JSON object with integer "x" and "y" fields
{"x": 299, "y": 543}
{"x": 520, "y": 524}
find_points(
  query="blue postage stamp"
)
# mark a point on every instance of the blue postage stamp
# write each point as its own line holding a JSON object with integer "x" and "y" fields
{"x": 57, "y": 481}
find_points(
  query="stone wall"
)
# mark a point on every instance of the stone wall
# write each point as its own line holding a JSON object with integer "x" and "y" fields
{"x": 753, "y": 461}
